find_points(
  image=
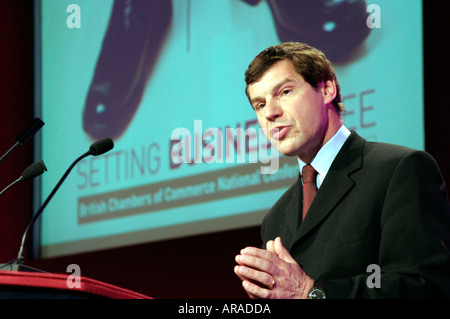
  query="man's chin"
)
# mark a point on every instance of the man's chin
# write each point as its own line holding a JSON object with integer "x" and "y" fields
{"x": 288, "y": 151}
{"x": 285, "y": 147}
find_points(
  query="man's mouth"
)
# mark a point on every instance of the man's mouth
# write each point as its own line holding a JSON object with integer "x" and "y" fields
{"x": 279, "y": 132}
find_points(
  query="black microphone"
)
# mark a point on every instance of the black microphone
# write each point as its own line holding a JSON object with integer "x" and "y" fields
{"x": 32, "y": 171}
{"x": 24, "y": 136}
{"x": 99, "y": 147}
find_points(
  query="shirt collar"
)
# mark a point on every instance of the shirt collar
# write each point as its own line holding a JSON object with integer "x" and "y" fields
{"x": 326, "y": 155}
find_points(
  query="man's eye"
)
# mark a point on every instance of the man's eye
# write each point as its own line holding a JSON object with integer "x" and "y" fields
{"x": 285, "y": 92}
{"x": 260, "y": 106}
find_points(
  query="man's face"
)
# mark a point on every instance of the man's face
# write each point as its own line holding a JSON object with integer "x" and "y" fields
{"x": 293, "y": 115}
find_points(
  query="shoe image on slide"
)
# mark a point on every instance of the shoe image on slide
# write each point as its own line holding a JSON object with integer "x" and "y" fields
{"x": 337, "y": 27}
{"x": 130, "y": 48}
{"x": 137, "y": 29}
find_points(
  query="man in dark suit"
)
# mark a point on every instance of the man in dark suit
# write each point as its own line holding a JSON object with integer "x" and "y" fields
{"x": 379, "y": 222}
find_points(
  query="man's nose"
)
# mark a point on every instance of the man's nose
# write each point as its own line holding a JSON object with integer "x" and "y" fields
{"x": 273, "y": 110}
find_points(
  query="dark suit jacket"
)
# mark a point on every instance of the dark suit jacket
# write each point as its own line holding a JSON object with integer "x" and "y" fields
{"x": 379, "y": 204}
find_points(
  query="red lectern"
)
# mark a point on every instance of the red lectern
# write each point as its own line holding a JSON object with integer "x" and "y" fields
{"x": 40, "y": 285}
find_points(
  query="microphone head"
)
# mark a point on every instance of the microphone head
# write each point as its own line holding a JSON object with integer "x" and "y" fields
{"x": 101, "y": 146}
{"x": 34, "y": 170}
{"x": 29, "y": 131}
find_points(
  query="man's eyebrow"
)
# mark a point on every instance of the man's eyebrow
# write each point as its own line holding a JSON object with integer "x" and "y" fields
{"x": 275, "y": 88}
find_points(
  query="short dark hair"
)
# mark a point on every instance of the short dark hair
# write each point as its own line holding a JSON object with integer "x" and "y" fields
{"x": 309, "y": 62}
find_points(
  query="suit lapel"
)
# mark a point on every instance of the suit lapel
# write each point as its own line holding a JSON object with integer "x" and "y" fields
{"x": 293, "y": 213}
{"x": 334, "y": 187}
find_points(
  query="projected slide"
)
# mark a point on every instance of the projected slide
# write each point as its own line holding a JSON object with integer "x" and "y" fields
{"x": 165, "y": 80}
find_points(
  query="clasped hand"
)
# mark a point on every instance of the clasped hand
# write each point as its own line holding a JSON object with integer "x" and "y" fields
{"x": 272, "y": 273}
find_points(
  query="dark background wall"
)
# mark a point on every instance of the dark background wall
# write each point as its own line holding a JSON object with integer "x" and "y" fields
{"x": 192, "y": 267}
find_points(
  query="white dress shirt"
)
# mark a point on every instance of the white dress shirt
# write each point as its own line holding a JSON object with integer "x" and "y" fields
{"x": 326, "y": 155}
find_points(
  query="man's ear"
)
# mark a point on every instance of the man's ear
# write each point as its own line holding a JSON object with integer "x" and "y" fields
{"x": 329, "y": 91}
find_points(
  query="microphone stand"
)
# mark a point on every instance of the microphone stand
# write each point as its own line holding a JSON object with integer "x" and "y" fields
{"x": 97, "y": 148}
{"x": 20, "y": 257}
{"x": 4, "y": 156}
{"x": 24, "y": 136}
{"x": 17, "y": 264}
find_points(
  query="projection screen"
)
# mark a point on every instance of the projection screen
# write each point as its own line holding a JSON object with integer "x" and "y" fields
{"x": 165, "y": 80}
